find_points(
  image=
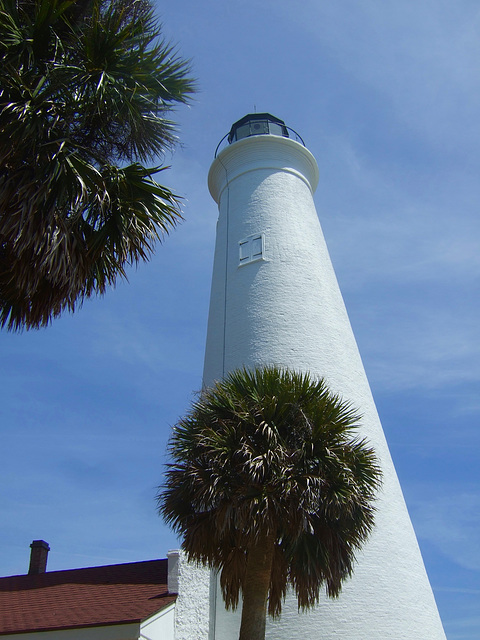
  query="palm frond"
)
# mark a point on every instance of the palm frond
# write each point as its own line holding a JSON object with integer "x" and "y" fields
{"x": 86, "y": 89}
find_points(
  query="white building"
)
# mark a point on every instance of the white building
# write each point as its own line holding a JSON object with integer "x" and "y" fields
{"x": 132, "y": 601}
{"x": 275, "y": 301}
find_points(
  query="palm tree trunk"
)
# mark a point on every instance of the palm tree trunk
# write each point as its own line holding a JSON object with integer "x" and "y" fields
{"x": 255, "y": 592}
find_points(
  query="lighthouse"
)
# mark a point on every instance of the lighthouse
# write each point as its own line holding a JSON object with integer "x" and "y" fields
{"x": 275, "y": 300}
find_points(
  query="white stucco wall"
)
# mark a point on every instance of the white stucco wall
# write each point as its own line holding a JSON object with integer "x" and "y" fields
{"x": 287, "y": 310}
{"x": 192, "y": 607}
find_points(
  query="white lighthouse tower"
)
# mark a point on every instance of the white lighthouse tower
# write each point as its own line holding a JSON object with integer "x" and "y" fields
{"x": 275, "y": 301}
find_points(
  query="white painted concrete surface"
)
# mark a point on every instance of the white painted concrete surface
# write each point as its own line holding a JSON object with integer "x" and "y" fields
{"x": 192, "y": 607}
{"x": 287, "y": 309}
{"x": 160, "y": 626}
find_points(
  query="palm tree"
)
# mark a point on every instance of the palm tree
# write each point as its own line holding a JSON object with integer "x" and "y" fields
{"x": 86, "y": 88}
{"x": 270, "y": 486}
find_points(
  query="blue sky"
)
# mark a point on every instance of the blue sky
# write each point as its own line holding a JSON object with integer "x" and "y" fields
{"x": 386, "y": 95}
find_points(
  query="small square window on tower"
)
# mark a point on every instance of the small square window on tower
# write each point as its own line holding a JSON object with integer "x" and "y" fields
{"x": 251, "y": 248}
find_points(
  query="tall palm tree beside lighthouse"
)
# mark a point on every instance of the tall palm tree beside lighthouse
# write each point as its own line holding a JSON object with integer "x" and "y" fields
{"x": 269, "y": 486}
{"x": 275, "y": 301}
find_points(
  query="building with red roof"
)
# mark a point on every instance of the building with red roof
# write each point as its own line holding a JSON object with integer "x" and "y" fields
{"x": 133, "y": 601}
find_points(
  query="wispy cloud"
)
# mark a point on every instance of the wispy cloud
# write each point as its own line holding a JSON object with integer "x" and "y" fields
{"x": 451, "y": 523}
{"x": 418, "y": 53}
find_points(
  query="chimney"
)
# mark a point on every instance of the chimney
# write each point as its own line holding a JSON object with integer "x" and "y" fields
{"x": 173, "y": 571}
{"x": 38, "y": 557}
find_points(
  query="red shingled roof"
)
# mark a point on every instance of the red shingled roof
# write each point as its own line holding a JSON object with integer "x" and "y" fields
{"x": 114, "y": 594}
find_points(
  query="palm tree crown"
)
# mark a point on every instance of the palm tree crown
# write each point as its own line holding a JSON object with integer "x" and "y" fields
{"x": 268, "y": 474}
{"x": 86, "y": 87}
